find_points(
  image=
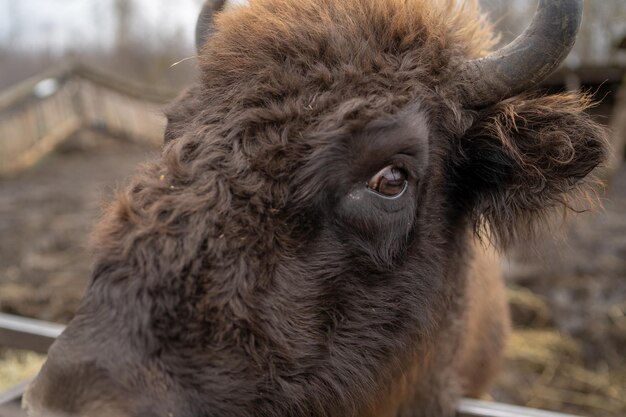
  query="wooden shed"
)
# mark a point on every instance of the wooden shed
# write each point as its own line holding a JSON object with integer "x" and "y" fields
{"x": 42, "y": 112}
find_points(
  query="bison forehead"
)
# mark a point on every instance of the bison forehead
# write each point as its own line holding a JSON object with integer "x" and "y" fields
{"x": 276, "y": 73}
{"x": 282, "y": 80}
{"x": 272, "y": 49}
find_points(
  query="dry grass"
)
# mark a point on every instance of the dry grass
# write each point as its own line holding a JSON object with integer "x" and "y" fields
{"x": 546, "y": 369}
{"x": 18, "y": 366}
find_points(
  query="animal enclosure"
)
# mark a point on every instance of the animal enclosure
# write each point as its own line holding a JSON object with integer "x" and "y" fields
{"x": 210, "y": 189}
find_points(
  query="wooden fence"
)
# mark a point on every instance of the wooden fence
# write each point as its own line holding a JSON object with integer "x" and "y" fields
{"x": 42, "y": 112}
{"x": 618, "y": 129}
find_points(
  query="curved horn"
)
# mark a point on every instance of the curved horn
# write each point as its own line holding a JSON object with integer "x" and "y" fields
{"x": 526, "y": 61}
{"x": 204, "y": 26}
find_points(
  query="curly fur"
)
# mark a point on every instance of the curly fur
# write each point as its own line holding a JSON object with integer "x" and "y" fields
{"x": 530, "y": 155}
{"x": 247, "y": 272}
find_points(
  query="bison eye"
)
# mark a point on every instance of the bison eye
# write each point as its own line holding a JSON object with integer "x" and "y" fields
{"x": 390, "y": 181}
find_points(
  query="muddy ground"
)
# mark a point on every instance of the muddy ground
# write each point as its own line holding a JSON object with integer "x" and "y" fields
{"x": 568, "y": 296}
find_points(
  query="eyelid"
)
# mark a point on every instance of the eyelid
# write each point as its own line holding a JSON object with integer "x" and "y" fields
{"x": 395, "y": 197}
{"x": 406, "y": 162}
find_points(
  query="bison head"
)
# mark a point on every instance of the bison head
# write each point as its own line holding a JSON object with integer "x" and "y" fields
{"x": 302, "y": 247}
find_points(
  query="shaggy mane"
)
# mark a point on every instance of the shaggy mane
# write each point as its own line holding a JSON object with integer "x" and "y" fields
{"x": 288, "y": 47}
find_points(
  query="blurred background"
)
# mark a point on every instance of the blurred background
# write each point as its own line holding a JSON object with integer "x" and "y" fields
{"x": 82, "y": 85}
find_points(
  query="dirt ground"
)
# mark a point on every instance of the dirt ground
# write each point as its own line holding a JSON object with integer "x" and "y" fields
{"x": 568, "y": 296}
{"x": 46, "y": 215}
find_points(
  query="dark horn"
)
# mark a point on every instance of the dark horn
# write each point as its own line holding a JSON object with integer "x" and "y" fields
{"x": 204, "y": 26}
{"x": 526, "y": 61}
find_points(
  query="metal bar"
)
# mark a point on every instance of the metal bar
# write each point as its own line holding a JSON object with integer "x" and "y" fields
{"x": 13, "y": 395}
{"x": 475, "y": 408}
{"x": 23, "y": 333}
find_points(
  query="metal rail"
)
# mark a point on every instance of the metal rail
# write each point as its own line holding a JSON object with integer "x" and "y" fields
{"x": 28, "y": 334}
{"x": 23, "y": 333}
{"x": 476, "y": 408}
{"x": 13, "y": 395}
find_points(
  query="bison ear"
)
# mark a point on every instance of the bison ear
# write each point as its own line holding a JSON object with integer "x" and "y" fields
{"x": 525, "y": 156}
{"x": 204, "y": 26}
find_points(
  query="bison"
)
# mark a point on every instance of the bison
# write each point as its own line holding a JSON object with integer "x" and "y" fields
{"x": 314, "y": 239}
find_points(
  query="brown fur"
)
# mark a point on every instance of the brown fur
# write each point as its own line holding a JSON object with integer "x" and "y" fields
{"x": 248, "y": 272}
{"x": 484, "y": 324}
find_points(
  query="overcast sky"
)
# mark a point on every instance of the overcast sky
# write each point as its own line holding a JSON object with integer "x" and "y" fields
{"x": 59, "y": 24}
{"x": 56, "y": 25}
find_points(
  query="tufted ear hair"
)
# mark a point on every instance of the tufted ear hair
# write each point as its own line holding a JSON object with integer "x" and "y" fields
{"x": 523, "y": 157}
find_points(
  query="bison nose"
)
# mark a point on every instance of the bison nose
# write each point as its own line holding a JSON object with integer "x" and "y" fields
{"x": 64, "y": 389}
{"x": 107, "y": 379}
{"x": 98, "y": 368}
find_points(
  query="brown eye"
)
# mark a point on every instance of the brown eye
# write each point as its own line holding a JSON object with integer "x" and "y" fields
{"x": 390, "y": 181}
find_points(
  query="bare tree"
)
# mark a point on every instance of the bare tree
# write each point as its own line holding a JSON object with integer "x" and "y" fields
{"x": 604, "y": 24}
{"x": 123, "y": 14}
{"x": 14, "y": 27}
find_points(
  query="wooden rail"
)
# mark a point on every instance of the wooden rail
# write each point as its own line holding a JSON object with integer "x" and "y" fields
{"x": 42, "y": 112}
{"x": 22, "y": 333}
